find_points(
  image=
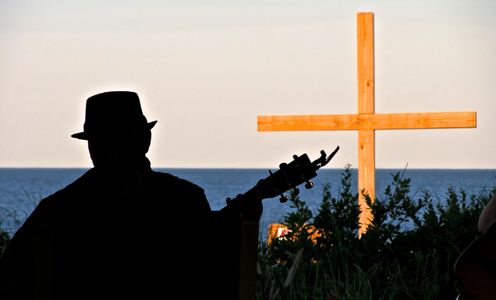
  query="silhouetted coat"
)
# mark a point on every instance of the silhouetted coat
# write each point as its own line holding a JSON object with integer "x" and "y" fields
{"x": 136, "y": 234}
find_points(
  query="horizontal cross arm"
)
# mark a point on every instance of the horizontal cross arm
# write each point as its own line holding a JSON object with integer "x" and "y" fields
{"x": 368, "y": 121}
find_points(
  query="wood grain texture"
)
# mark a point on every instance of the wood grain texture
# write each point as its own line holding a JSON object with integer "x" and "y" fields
{"x": 366, "y": 176}
{"x": 365, "y": 62}
{"x": 368, "y": 121}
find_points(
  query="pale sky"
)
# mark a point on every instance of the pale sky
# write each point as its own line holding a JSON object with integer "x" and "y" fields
{"x": 206, "y": 69}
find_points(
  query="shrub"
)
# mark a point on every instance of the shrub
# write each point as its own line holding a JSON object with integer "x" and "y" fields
{"x": 408, "y": 251}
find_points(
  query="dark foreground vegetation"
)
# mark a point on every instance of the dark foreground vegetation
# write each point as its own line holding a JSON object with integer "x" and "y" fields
{"x": 408, "y": 252}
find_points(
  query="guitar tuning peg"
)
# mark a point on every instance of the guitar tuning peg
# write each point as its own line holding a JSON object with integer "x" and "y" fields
{"x": 228, "y": 201}
{"x": 309, "y": 185}
{"x": 296, "y": 191}
{"x": 282, "y": 166}
{"x": 283, "y": 198}
{"x": 295, "y": 156}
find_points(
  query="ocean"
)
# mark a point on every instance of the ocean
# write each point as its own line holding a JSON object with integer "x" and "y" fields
{"x": 21, "y": 189}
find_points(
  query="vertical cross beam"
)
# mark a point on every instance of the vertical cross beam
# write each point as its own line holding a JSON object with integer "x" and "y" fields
{"x": 366, "y": 98}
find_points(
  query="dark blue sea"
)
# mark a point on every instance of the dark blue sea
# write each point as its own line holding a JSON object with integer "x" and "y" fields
{"x": 22, "y": 189}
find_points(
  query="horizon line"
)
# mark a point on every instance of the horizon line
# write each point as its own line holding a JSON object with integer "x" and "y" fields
{"x": 251, "y": 168}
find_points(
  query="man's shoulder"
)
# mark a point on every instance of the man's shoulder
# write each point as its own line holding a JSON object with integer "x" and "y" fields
{"x": 52, "y": 206}
{"x": 74, "y": 188}
{"x": 173, "y": 181}
{"x": 80, "y": 184}
{"x": 174, "y": 187}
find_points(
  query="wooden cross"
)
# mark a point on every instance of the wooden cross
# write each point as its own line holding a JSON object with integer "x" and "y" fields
{"x": 367, "y": 121}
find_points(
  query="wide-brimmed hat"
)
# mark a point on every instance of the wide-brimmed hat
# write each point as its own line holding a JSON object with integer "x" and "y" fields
{"x": 115, "y": 113}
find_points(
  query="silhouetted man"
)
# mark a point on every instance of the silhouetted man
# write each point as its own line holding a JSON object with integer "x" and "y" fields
{"x": 122, "y": 230}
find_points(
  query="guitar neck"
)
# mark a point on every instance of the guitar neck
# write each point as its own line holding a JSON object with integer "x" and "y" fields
{"x": 247, "y": 206}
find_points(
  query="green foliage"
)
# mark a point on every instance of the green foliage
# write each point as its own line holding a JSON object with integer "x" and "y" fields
{"x": 408, "y": 251}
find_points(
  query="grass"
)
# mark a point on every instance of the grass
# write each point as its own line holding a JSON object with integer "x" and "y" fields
{"x": 408, "y": 252}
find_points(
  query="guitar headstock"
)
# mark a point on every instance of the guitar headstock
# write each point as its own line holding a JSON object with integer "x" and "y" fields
{"x": 291, "y": 175}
